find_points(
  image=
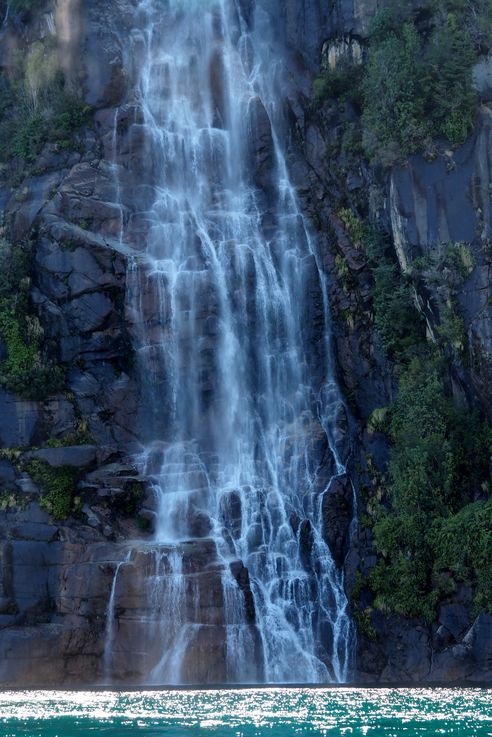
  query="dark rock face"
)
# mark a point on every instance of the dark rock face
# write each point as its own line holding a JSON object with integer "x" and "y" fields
{"x": 241, "y": 575}
{"x": 445, "y": 202}
{"x": 261, "y": 144}
{"x": 306, "y": 540}
{"x": 305, "y": 26}
{"x": 78, "y": 456}
{"x": 40, "y": 577}
{"x": 231, "y": 513}
{"x": 475, "y": 650}
{"x": 20, "y": 421}
{"x": 337, "y": 510}
{"x": 54, "y": 588}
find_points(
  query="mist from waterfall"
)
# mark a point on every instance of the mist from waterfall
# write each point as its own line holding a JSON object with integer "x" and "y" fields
{"x": 239, "y": 403}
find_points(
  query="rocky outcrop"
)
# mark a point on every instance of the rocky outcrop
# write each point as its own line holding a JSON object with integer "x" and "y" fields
{"x": 305, "y": 26}
{"x": 445, "y": 203}
{"x": 454, "y": 650}
{"x": 54, "y": 619}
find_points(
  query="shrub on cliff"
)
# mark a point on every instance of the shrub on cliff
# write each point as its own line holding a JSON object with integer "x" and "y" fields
{"x": 415, "y": 84}
{"x": 57, "y": 486}
{"x": 418, "y": 87}
{"x": 463, "y": 547}
{"x": 394, "y": 99}
{"x": 440, "y": 457}
{"x": 36, "y": 107}
{"x": 440, "y": 463}
{"x": 342, "y": 82}
{"x": 398, "y": 323}
{"x": 25, "y": 368}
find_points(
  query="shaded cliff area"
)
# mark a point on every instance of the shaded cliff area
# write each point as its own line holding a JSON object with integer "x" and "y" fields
{"x": 396, "y": 148}
{"x": 403, "y": 217}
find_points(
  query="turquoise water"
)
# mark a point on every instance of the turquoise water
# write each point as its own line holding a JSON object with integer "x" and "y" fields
{"x": 271, "y": 712}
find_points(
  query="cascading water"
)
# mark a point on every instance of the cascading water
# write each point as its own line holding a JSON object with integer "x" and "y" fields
{"x": 239, "y": 404}
{"x": 110, "y": 621}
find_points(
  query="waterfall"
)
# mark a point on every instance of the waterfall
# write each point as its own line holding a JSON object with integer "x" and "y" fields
{"x": 240, "y": 408}
{"x": 110, "y": 623}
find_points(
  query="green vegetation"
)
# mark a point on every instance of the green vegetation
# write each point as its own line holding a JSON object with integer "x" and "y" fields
{"x": 362, "y": 615}
{"x": 36, "y": 107}
{"x": 57, "y": 486}
{"x": 12, "y": 500}
{"x": 11, "y": 454}
{"x": 415, "y": 84}
{"x": 378, "y": 421}
{"x": 431, "y": 513}
{"x": 463, "y": 546}
{"x": 392, "y": 94}
{"x": 343, "y": 273}
{"x": 36, "y": 128}
{"x": 355, "y": 227}
{"x": 128, "y": 504}
{"x": 440, "y": 462}
{"x": 416, "y": 88}
{"x": 343, "y": 83}
{"x": 142, "y": 523}
{"x": 448, "y": 264}
{"x": 81, "y": 436}
{"x": 398, "y": 323}
{"x": 26, "y": 369}
{"x": 452, "y": 328}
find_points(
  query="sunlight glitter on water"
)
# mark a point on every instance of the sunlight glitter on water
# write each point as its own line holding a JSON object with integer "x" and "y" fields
{"x": 275, "y": 712}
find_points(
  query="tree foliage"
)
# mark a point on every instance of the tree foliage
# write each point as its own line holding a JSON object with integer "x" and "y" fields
{"x": 415, "y": 85}
{"x": 439, "y": 466}
{"x": 436, "y": 494}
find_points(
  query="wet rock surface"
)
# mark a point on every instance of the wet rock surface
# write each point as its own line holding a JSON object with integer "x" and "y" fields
{"x": 337, "y": 511}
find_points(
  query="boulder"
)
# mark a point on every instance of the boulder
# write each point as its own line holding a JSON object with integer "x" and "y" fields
{"x": 478, "y": 642}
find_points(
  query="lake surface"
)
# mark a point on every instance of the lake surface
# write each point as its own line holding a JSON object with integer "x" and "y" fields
{"x": 273, "y": 712}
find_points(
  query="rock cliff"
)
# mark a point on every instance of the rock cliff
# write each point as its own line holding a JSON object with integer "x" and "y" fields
{"x": 71, "y": 496}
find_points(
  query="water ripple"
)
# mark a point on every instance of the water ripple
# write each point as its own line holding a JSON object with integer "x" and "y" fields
{"x": 271, "y": 712}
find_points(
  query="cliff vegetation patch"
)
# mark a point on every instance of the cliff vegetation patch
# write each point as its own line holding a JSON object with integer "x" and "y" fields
{"x": 435, "y": 495}
{"x": 36, "y": 108}
{"x": 415, "y": 84}
{"x": 57, "y": 486}
{"x": 26, "y": 368}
